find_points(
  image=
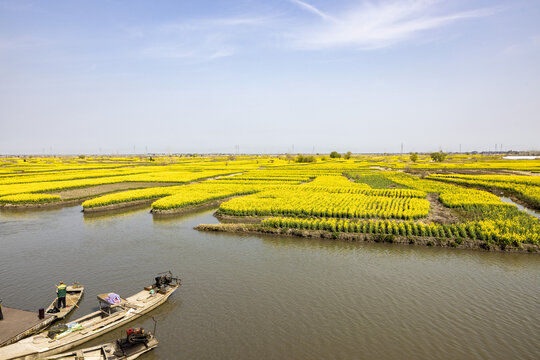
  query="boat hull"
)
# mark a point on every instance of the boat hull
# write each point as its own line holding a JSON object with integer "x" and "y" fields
{"x": 109, "y": 351}
{"x": 39, "y": 346}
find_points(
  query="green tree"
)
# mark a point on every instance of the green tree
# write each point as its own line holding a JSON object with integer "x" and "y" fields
{"x": 335, "y": 155}
{"x": 347, "y": 155}
{"x": 438, "y": 156}
{"x": 414, "y": 157}
{"x": 305, "y": 159}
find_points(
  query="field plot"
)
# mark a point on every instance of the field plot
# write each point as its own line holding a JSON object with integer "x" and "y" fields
{"x": 526, "y": 188}
{"x": 365, "y": 196}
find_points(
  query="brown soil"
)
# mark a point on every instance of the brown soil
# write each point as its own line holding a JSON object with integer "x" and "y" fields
{"x": 112, "y": 212}
{"x": 78, "y": 195}
{"x": 119, "y": 206}
{"x": 183, "y": 210}
{"x": 516, "y": 197}
{"x": 438, "y": 213}
{"x": 48, "y": 205}
{"x": 402, "y": 240}
{"x": 230, "y": 219}
{"x": 86, "y": 192}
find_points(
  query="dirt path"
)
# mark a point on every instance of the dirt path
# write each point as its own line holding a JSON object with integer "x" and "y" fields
{"x": 104, "y": 189}
{"x": 109, "y": 188}
{"x": 438, "y": 213}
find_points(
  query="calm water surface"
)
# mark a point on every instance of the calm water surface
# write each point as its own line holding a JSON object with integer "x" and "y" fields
{"x": 258, "y": 297}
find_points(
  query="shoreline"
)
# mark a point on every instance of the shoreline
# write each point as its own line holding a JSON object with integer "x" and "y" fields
{"x": 512, "y": 195}
{"x": 182, "y": 210}
{"x": 125, "y": 186}
{"x": 113, "y": 207}
{"x": 46, "y": 205}
{"x": 468, "y": 244}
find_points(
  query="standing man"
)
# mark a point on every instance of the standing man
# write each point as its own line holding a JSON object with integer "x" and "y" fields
{"x": 61, "y": 292}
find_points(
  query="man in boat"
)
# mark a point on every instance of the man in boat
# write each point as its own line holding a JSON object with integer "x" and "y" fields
{"x": 61, "y": 291}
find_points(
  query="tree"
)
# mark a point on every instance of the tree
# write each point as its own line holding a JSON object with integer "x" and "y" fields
{"x": 347, "y": 155}
{"x": 438, "y": 156}
{"x": 335, "y": 155}
{"x": 414, "y": 157}
{"x": 305, "y": 159}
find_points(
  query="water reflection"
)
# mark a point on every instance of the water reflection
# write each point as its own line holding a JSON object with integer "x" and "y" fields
{"x": 248, "y": 296}
{"x": 115, "y": 214}
{"x": 521, "y": 207}
{"x": 178, "y": 218}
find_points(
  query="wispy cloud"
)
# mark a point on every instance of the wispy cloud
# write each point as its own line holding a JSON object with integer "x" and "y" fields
{"x": 524, "y": 46}
{"x": 312, "y": 9}
{"x": 199, "y": 39}
{"x": 378, "y": 25}
{"x": 190, "y": 53}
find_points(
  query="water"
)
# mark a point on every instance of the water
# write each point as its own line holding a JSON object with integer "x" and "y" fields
{"x": 521, "y": 207}
{"x": 268, "y": 297}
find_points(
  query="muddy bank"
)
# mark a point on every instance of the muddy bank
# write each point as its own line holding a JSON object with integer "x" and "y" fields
{"x": 37, "y": 206}
{"x": 187, "y": 209}
{"x": 230, "y": 219}
{"x": 438, "y": 213}
{"x": 429, "y": 171}
{"x": 118, "y": 206}
{"x": 88, "y": 192}
{"x": 401, "y": 240}
{"x": 513, "y": 195}
{"x": 115, "y": 212}
{"x": 77, "y": 196}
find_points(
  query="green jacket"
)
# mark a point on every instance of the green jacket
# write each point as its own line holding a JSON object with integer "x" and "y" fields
{"x": 61, "y": 290}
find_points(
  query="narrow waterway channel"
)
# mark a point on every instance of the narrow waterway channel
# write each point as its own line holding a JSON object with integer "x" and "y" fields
{"x": 521, "y": 207}
{"x": 267, "y": 297}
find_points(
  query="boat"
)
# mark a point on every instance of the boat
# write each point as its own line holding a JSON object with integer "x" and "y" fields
{"x": 114, "y": 311}
{"x": 73, "y": 296}
{"x": 136, "y": 343}
{"x": 19, "y": 324}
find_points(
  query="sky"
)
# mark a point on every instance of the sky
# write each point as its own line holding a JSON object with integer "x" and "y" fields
{"x": 274, "y": 76}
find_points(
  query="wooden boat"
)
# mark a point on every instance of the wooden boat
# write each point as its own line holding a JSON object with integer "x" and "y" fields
{"x": 20, "y": 324}
{"x": 109, "y": 317}
{"x": 73, "y": 296}
{"x": 121, "y": 349}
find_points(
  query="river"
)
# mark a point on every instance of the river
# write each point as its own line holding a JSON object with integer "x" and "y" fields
{"x": 268, "y": 297}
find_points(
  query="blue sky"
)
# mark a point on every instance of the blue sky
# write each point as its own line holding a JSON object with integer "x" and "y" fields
{"x": 204, "y": 76}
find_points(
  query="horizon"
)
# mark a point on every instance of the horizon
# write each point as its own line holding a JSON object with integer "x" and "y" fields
{"x": 196, "y": 154}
